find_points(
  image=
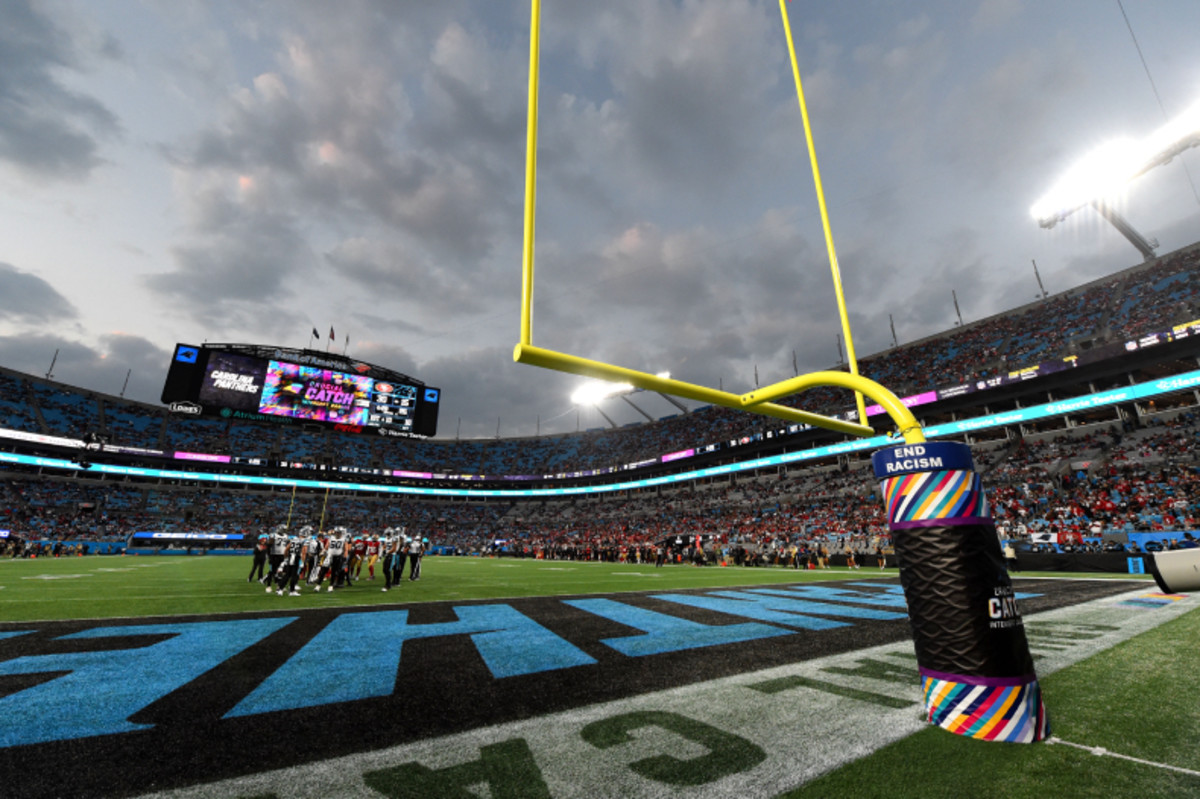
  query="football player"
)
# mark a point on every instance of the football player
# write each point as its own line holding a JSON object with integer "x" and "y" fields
{"x": 393, "y": 558}
{"x": 278, "y": 548}
{"x": 260, "y": 557}
{"x": 358, "y": 553}
{"x": 336, "y": 556}
{"x": 289, "y": 569}
{"x": 415, "y": 549}
{"x": 373, "y": 547}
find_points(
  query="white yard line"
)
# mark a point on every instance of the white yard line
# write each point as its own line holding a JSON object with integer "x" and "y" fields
{"x": 1100, "y": 751}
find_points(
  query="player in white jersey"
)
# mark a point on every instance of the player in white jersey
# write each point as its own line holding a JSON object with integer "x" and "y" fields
{"x": 312, "y": 556}
{"x": 415, "y": 549}
{"x": 289, "y": 569}
{"x": 392, "y": 557}
{"x": 339, "y": 541}
{"x": 277, "y": 549}
{"x": 323, "y": 561}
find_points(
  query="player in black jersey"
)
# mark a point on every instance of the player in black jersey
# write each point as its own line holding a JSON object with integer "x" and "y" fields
{"x": 259, "y": 567}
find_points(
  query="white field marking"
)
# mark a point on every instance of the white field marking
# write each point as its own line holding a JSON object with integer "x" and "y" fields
{"x": 1100, "y": 751}
{"x": 56, "y": 577}
{"x": 804, "y": 731}
{"x": 636, "y": 574}
{"x": 1132, "y": 578}
{"x": 123, "y": 597}
{"x": 556, "y": 569}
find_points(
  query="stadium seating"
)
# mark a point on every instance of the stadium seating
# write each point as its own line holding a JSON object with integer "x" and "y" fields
{"x": 1089, "y": 481}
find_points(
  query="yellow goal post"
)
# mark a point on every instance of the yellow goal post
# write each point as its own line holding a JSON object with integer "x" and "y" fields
{"x": 758, "y": 401}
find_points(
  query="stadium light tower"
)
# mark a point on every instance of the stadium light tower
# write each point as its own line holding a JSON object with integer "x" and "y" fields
{"x": 1102, "y": 175}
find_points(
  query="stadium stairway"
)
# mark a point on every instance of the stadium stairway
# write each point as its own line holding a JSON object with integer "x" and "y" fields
{"x": 31, "y": 398}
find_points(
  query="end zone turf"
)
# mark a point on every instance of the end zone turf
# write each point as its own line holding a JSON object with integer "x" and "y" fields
{"x": 750, "y": 734}
{"x": 714, "y": 691}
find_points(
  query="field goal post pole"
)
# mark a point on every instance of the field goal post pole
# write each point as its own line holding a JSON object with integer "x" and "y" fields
{"x": 321, "y": 524}
{"x": 851, "y": 358}
{"x": 291, "y": 505}
{"x": 525, "y": 351}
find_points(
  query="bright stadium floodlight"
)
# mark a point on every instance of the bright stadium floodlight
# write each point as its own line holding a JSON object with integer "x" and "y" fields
{"x": 594, "y": 391}
{"x": 1102, "y": 175}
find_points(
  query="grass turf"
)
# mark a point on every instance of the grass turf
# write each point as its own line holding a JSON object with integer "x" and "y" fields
{"x": 115, "y": 587}
{"x": 1137, "y": 699}
{"x": 100, "y": 587}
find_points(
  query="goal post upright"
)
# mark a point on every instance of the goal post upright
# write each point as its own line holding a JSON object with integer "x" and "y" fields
{"x": 535, "y": 33}
{"x": 851, "y": 358}
{"x": 525, "y": 351}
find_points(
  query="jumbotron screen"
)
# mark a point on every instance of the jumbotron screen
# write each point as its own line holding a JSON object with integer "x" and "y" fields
{"x": 288, "y": 386}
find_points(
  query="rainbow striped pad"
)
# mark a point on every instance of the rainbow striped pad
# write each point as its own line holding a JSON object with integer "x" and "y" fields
{"x": 1154, "y": 600}
{"x": 1009, "y": 710}
{"x": 952, "y": 497}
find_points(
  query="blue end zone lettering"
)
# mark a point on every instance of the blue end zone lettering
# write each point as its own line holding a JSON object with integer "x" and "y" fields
{"x": 665, "y": 633}
{"x": 897, "y": 590}
{"x": 18, "y": 632}
{"x": 781, "y": 610}
{"x": 883, "y": 599}
{"x": 509, "y": 642}
{"x": 101, "y": 690}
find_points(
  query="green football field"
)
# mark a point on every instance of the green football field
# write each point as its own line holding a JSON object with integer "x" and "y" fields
{"x": 1125, "y": 719}
{"x": 132, "y": 586}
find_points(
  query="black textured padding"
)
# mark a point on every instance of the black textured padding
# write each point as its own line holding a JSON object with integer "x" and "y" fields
{"x": 949, "y": 576}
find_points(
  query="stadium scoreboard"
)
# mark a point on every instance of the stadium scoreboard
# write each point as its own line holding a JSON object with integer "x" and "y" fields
{"x": 273, "y": 384}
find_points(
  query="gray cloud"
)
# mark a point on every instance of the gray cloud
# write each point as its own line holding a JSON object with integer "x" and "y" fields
{"x": 234, "y": 271}
{"x": 395, "y": 140}
{"x": 336, "y": 151}
{"x": 25, "y": 297}
{"x": 48, "y": 130}
{"x": 389, "y": 269}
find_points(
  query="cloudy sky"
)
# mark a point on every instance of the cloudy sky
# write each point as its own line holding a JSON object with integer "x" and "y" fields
{"x": 247, "y": 171}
